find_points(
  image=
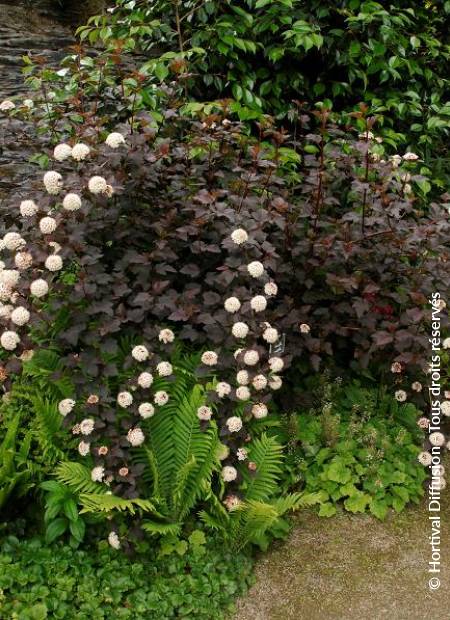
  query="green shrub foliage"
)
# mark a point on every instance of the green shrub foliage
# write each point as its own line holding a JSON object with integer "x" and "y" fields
{"x": 41, "y": 581}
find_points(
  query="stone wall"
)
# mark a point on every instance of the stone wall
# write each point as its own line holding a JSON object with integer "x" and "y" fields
{"x": 41, "y": 28}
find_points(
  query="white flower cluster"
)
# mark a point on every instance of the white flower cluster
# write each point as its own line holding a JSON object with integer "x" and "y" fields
{"x": 13, "y": 241}
{"x": 164, "y": 369}
{"x": 47, "y": 225}
{"x": 140, "y": 353}
{"x": 239, "y": 236}
{"x": 114, "y": 140}
{"x": 6, "y": 105}
{"x": 53, "y": 182}
{"x": 124, "y": 400}
{"x": 28, "y": 208}
{"x": 66, "y": 406}
{"x": 54, "y": 262}
{"x": 166, "y": 336}
{"x": 146, "y": 410}
{"x": 9, "y": 340}
{"x": 71, "y": 202}
{"x": 136, "y": 437}
{"x": 63, "y": 151}
{"x": 97, "y": 185}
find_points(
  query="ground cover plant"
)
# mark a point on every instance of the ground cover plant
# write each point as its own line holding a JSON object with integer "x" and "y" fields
{"x": 39, "y": 581}
{"x": 357, "y": 448}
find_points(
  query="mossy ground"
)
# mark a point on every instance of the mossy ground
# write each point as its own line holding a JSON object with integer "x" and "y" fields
{"x": 353, "y": 567}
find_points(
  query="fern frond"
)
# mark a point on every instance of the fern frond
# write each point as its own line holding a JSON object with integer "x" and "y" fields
{"x": 256, "y": 519}
{"x": 267, "y": 453}
{"x": 48, "y": 423}
{"x": 78, "y": 478}
{"x": 161, "y": 528}
{"x": 98, "y": 502}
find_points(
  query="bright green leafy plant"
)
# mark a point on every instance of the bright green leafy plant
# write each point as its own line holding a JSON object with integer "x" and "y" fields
{"x": 359, "y": 451}
{"x": 39, "y": 581}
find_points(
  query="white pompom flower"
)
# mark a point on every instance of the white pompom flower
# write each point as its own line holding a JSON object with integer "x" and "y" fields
{"x": 5, "y": 311}
{"x": 39, "y": 288}
{"x": 239, "y": 236}
{"x": 166, "y": 336}
{"x": 146, "y": 410}
{"x": 424, "y": 458}
{"x": 98, "y": 473}
{"x": 84, "y": 448}
{"x": 164, "y": 369}
{"x": 87, "y": 426}
{"x": 140, "y": 353}
{"x": 305, "y": 328}
{"x": 234, "y": 424}
{"x": 209, "y": 358}
{"x": 223, "y": 389}
{"x": 251, "y": 357}
{"x": 145, "y": 380}
{"x": 255, "y": 269}
{"x": 161, "y": 398}
{"x": 47, "y": 225}
{"x": 7, "y": 105}
{"x": 114, "y": 140}
{"x": 10, "y": 277}
{"x": 204, "y": 413}
{"x": 124, "y": 399}
{"x": 400, "y": 396}
{"x": 20, "y": 316}
{"x": 28, "y": 208}
{"x": 53, "y": 182}
{"x": 436, "y": 439}
{"x": 270, "y": 335}
{"x": 259, "y": 382}
{"x": 275, "y": 382}
{"x": 13, "y": 241}
{"x": 136, "y": 437}
{"x": 71, "y": 202}
{"x": 66, "y": 406}
{"x": 54, "y": 262}
{"x": 243, "y": 393}
{"x": 258, "y": 303}
{"x": 62, "y": 152}
{"x": 5, "y": 292}
{"x": 276, "y": 364}
{"x": 114, "y": 540}
{"x": 232, "y": 305}
{"x": 445, "y": 407}
{"x": 80, "y": 151}
{"x": 97, "y": 185}
{"x": 241, "y": 454}
{"x": 9, "y": 340}
{"x": 229, "y": 473}
{"x": 259, "y": 411}
{"x": 409, "y": 156}
{"x": 270, "y": 289}
{"x": 242, "y": 377}
{"x": 240, "y": 330}
{"x": 23, "y": 260}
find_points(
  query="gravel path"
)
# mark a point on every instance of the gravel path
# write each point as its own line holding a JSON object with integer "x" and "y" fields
{"x": 353, "y": 567}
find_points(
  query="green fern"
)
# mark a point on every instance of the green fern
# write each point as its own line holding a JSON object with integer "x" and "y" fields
{"x": 262, "y": 510}
{"x": 15, "y": 469}
{"x": 98, "y": 502}
{"x": 48, "y": 423}
{"x": 78, "y": 478}
{"x": 180, "y": 457}
{"x": 267, "y": 453}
